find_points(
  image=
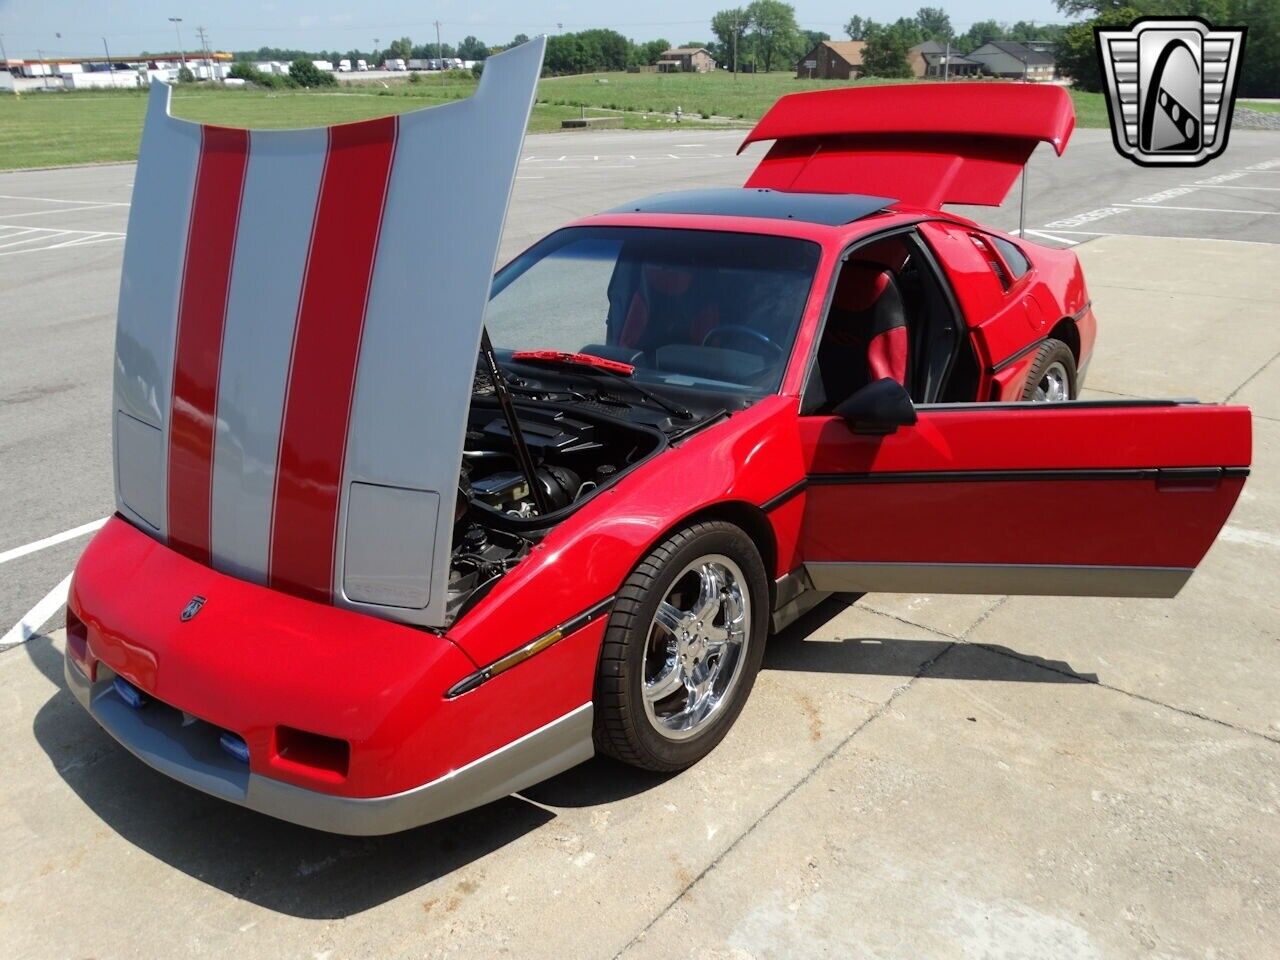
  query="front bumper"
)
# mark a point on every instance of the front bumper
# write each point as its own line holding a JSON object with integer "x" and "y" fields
{"x": 189, "y": 753}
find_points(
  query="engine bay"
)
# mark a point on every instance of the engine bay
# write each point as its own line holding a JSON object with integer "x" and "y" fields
{"x": 575, "y": 453}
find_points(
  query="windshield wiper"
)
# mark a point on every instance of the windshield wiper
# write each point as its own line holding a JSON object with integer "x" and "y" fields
{"x": 617, "y": 371}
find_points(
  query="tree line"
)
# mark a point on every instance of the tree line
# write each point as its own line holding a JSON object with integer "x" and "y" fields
{"x": 765, "y": 35}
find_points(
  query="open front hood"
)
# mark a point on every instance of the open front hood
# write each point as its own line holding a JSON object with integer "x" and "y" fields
{"x": 924, "y": 143}
{"x": 300, "y": 314}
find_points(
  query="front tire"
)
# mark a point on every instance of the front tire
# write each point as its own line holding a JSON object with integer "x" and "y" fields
{"x": 682, "y": 649}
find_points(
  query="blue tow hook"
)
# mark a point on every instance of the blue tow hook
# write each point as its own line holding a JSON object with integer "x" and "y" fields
{"x": 234, "y": 746}
{"x": 130, "y": 694}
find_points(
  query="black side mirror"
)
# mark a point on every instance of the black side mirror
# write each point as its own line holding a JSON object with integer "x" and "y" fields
{"x": 882, "y": 406}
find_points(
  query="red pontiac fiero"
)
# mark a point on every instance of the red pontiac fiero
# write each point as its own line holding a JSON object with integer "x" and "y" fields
{"x": 396, "y": 537}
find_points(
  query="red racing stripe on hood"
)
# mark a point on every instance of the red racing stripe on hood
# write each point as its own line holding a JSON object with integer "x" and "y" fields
{"x": 326, "y": 349}
{"x": 202, "y": 310}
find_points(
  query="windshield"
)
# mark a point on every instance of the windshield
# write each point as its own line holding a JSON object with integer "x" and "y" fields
{"x": 688, "y": 308}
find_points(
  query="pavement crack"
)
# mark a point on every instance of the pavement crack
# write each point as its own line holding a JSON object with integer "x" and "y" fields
{"x": 1253, "y": 376}
{"x": 822, "y": 763}
{"x": 1061, "y": 671}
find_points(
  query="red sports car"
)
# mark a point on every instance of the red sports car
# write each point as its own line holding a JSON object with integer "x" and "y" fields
{"x": 396, "y": 537}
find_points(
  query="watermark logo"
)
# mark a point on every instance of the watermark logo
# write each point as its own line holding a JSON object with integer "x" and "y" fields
{"x": 1171, "y": 87}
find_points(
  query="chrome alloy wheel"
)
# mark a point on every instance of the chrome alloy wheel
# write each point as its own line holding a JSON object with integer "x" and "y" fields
{"x": 696, "y": 646}
{"x": 1054, "y": 387}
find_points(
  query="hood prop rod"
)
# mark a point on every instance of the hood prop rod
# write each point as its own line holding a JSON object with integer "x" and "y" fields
{"x": 540, "y": 498}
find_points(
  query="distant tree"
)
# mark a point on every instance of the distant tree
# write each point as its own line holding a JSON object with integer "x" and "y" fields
{"x": 1077, "y": 55}
{"x": 885, "y": 54}
{"x": 472, "y": 49}
{"x": 565, "y": 54}
{"x": 934, "y": 23}
{"x": 518, "y": 39}
{"x": 401, "y": 49}
{"x": 651, "y": 51}
{"x": 984, "y": 31}
{"x": 306, "y": 74}
{"x": 811, "y": 38}
{"x": 185, "y": 75}
{"x": 774, "y": 34}
{"x": 724, "y": 25}
{"x": 856, "y": 28}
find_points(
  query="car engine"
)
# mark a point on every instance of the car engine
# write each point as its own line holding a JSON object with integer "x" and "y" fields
{"x": 496, "y": 519}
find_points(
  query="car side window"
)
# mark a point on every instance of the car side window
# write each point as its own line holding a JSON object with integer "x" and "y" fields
{"x": 1013, "y": 256}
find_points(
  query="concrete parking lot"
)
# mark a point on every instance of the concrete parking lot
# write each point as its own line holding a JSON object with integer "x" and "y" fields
{"x": 914, "y": 776}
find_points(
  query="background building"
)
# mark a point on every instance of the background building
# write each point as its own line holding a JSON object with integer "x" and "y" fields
{"x": 686, "y": 60}
{"x": 832, "y": 60}
{"x": 1014, "y": 60}
{"x": 931, "y": 59}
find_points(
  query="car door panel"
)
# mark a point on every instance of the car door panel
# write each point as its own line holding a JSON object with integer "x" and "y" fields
{"x": 1066, "y": 499}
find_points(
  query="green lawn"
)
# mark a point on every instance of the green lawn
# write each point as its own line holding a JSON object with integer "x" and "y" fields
{"x": 1261, "y": 107}
{"x": 48, "y": 129}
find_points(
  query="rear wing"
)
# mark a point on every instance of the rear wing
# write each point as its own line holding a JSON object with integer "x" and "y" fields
{"x": 925, "y": 143}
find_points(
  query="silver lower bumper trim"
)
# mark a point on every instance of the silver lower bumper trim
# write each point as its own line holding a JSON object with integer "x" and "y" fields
{"x": 157, "y": 738}
{"x": 1031, "y": 579}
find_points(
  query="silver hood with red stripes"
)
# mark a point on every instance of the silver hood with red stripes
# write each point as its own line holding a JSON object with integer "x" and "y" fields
{"x": 300, "y": 314}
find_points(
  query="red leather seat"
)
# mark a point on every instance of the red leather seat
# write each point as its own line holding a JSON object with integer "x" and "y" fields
{"x": 865, "y": 337}
{"x": 867, "y": 315}
{"x": 664, "y": 309}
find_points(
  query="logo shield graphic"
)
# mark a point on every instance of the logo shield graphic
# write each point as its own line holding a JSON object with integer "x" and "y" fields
{"x": 1171, "y": 88}
{"x": 192, "y": 608}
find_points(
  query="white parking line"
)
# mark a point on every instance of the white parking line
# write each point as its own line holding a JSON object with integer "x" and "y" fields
{"x": 1050, "y": 236}
{"x": 1226, "y": 186}
{"x": 105, "y": 203}
{"x": 37, "y": 616}
{"x": 53, "y": 541}
{"x": 1161, "y": 206}
{"x": 45, "y": 213}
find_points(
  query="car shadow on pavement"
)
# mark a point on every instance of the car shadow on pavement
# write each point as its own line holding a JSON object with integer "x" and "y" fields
{"x": 276, "y": 865}
{"x": 805, "y": 646}
{"x": 313, "y": 875}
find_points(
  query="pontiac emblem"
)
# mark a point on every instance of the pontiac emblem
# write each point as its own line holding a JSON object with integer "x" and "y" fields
{"x": 1171, "y": 88}
{"x": 192, "y": 608}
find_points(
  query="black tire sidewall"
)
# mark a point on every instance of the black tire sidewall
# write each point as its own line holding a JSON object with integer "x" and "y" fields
{"x": 657, "y": 750}
{"x": 1051, "y": 352}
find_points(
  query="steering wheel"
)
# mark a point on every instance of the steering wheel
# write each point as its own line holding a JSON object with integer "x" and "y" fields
{"x": 738, "y": 330}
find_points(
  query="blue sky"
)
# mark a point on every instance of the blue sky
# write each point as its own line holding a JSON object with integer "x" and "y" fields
{"x": 134, "y": 25}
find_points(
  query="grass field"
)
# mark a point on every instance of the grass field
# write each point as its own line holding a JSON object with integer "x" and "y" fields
{"x": 1261, "y": 106}
{"x": 50, "y": 129}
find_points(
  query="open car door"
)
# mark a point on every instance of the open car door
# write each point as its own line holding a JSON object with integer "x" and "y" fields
{"x": 1079, "y": 499}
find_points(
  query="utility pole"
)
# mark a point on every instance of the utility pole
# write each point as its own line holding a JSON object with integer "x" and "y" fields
{"x": 377, "y": 48}
{"x": 439, "y": 51}
{"x": 177, "y": 26}
{"x": 946, "y": 62}
{"x": 204, "y": 48}
{"x": 44, "y": 69}
{"x": 735, "y": 45}
{"x": 3, "y": 56}
{"x": 111, "y": 67}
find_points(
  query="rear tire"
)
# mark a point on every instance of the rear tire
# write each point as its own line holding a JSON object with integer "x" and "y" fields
{"x": 682, "y": 648}
{"x": 1053, "y": 374}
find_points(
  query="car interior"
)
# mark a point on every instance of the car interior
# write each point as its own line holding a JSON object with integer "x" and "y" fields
{"x": 890, "y": 316}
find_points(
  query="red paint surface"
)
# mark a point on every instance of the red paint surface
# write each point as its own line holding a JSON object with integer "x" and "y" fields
{"x": 310, "y": 666}
{"x": 206, "y": 280}
{"x": 326, "y": 348}
{"x": 1108, "y": 521}
{"x": 922, "y": 144}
